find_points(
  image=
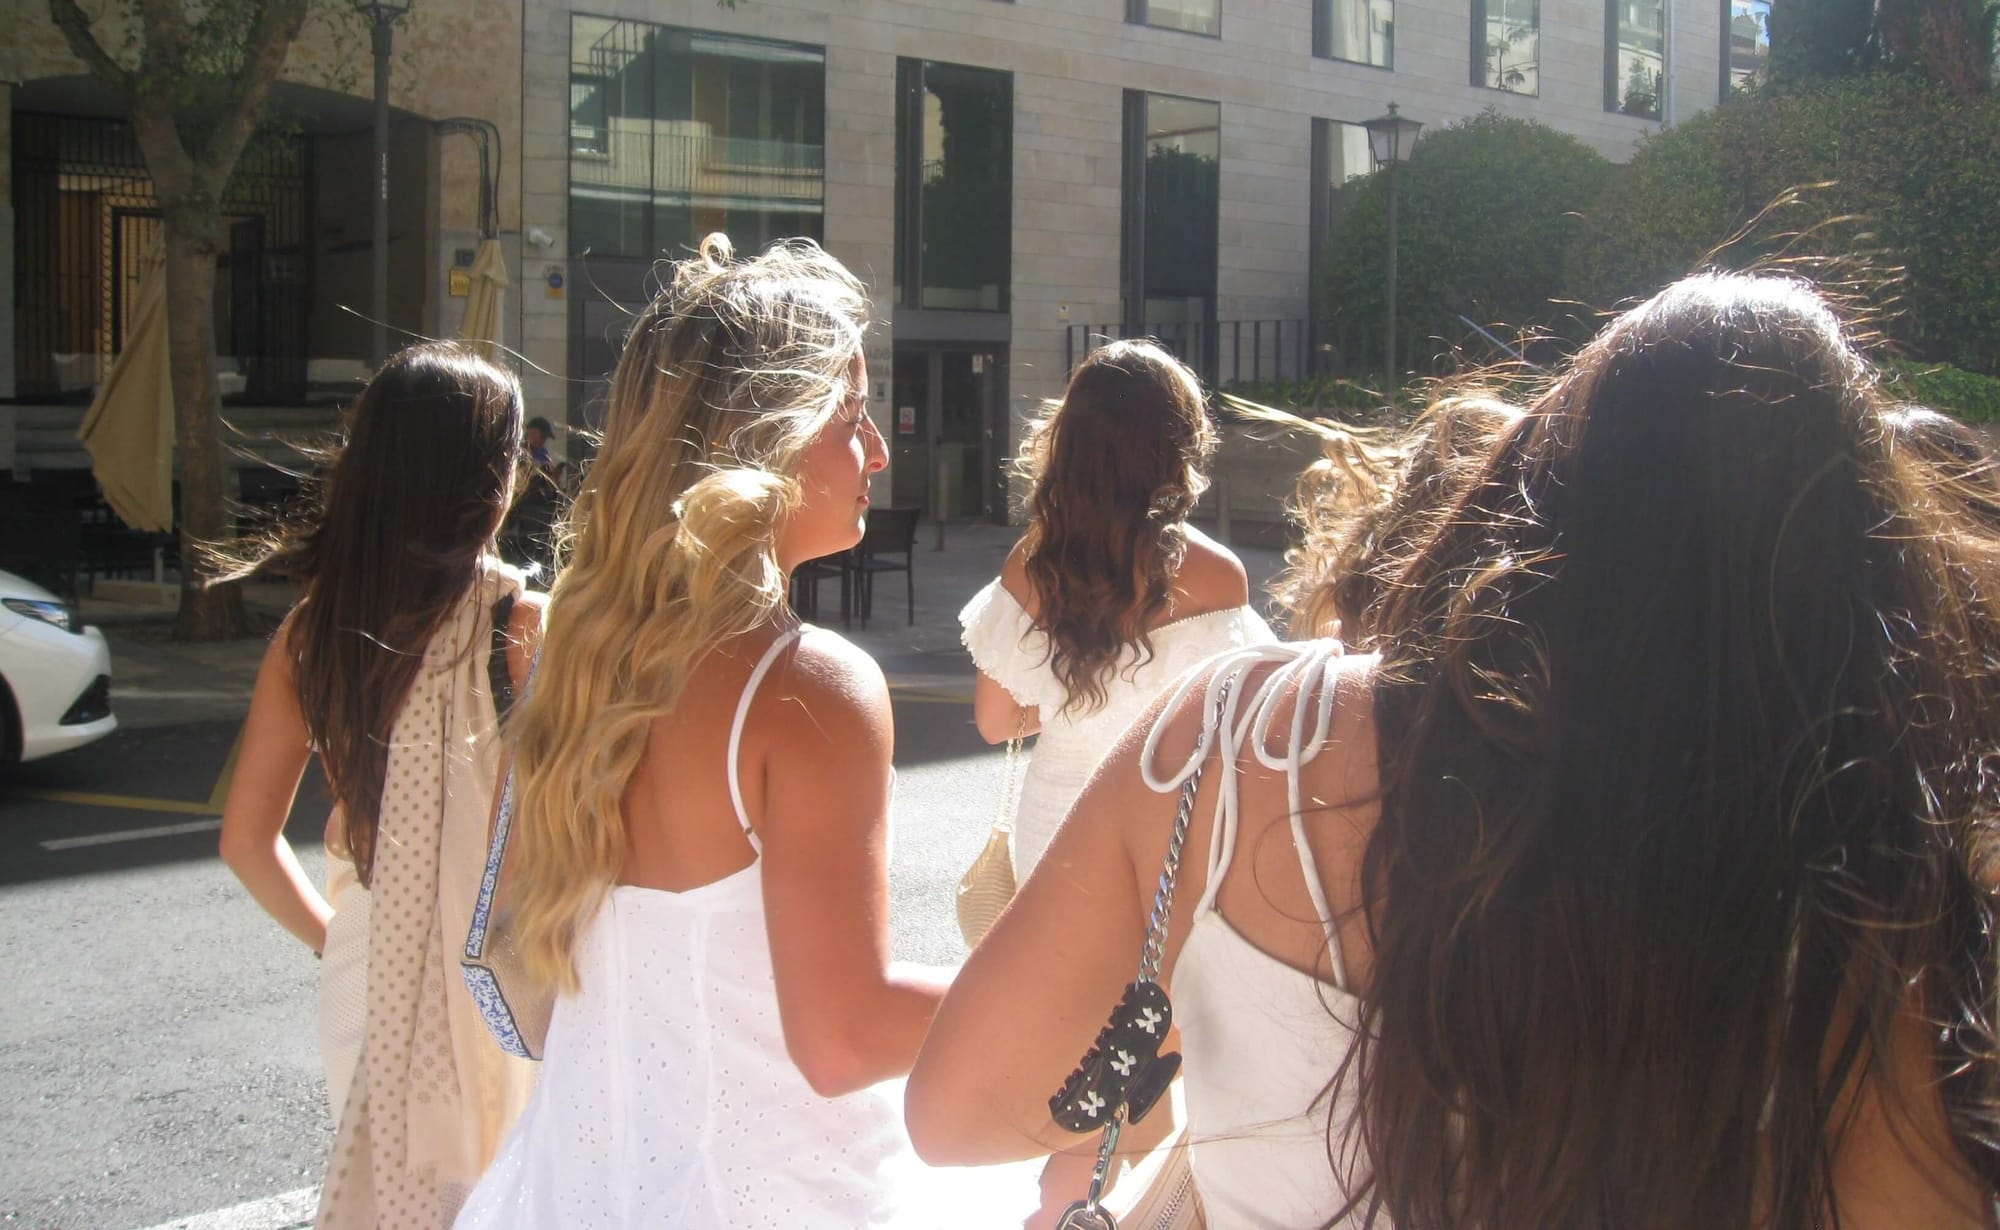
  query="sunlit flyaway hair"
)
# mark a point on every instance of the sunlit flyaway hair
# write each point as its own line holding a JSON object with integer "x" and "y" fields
{"x": 725, "y": 379}
{"x": 1115, "y": 469}
{"x": 1689, "y": 717}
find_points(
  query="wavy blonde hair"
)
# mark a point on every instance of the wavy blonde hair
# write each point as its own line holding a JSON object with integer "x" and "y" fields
{"x": 726, "y": 378}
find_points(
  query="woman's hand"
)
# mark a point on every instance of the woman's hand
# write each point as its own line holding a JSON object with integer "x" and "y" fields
{"x": 269, "y": 764}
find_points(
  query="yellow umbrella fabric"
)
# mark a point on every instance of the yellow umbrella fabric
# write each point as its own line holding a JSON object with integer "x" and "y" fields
{"x": 483, "y": 299}
{"x": 129, "y": 428}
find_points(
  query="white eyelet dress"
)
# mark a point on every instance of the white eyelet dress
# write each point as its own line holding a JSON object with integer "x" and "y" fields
{"x": 1008, "y": 649}
{"x": 667, "y": 1098}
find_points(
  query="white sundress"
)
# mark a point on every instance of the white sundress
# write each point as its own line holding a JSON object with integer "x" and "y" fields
{"x": 667, "y": 1096}
{"x": 1007, "y": 648}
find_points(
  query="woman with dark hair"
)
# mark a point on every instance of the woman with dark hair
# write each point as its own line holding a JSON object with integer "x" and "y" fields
{"x": 1644, "y": 880}
{"x": 1107, "y": 597}
{"x": 393, "y": 669}
{"x": 1110, "y": 593}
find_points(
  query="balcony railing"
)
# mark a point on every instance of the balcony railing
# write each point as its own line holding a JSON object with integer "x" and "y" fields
{"x": 1225, "y": 353}
{"x": 696, "y": 164}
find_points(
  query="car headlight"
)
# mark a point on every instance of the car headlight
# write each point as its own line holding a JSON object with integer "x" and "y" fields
{"x": 48, "y": 612}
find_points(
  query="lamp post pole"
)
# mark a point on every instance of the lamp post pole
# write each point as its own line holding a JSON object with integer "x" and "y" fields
{"x": 1389, "y": 322}
{"x": 1389, "y": 140}
{"x": 382, "y": 15}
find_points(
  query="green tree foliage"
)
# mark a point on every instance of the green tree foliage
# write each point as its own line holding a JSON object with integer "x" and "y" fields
{"x": 1915, "y": 168}
{"x": 1814, "y": 40}
{"x": 1488, "y": 209}
{"x": 194, "y": 80}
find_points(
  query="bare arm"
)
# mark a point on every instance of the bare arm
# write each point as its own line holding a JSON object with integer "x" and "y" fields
{"x": 1035, "y": 992}
{"x": 851, "y": 1016}
{"x": 998, "y": 715}
{"x": 995, "y": 712}
{"x": 269, "y": 765}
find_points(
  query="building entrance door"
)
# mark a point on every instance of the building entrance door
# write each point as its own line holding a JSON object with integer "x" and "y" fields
{"x": 947, "y": 431}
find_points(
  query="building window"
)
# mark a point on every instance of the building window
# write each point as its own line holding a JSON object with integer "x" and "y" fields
{"x": 1361, "y": 31}
{"x": 1194, "y": 16}
{"x": 1507, "y": 45}
{"x": 1635, "y": 60}
{"x": 954, "y": 186}
{"x": 1339, "y": 157}
{"x": 1173, "y": 184}
{"x": 1746, "y": 44}
{"x": 675, "y": 133}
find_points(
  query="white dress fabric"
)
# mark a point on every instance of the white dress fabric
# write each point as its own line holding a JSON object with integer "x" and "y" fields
{"x": 667, "y": 1097}
{"x": 1008, "y": 648}
{"x": 1260, "y": 1039}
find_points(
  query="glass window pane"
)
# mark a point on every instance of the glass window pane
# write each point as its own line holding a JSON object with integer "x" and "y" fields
{"x": 1183, "y": 185}
{"x": 966, "y": 162}
{"x": 1196, "y": 16}
{"x": 1363, "y": 31}
{"x": 675, "y": 133}
{"x": 1637, "y": 70}
{"x": 1513, "y": 41}
{"x": 610, "y": 126}
{"x": 1748, "y": 53}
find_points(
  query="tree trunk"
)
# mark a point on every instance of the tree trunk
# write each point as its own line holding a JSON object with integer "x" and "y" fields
{"x": 193, "y": 237}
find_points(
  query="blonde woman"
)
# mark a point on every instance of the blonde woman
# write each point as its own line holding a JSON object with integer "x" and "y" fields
{"x": 704, "y": 791}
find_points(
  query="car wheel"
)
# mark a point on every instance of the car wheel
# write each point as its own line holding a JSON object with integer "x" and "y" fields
{"x": 10, "y": 727}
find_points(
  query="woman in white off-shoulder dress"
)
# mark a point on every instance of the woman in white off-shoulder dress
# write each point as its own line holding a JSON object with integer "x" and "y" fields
{"x": 1107, "y": 598}
{"x": 1111, "y": 593}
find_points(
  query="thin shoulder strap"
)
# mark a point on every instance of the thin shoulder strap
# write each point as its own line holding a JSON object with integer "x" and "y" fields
{"x": 757, "y": 674}
{"x": 1247, "y": 716}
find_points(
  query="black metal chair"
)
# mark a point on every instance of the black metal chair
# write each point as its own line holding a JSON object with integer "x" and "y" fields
{"x": 806, "y": 579}
{"x": 890, "y": 531}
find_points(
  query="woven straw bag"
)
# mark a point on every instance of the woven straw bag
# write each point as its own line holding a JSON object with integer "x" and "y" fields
{"x": 988, "y": 885}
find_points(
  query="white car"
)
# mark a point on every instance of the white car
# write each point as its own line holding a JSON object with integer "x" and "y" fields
{"x": 55, "y": 675}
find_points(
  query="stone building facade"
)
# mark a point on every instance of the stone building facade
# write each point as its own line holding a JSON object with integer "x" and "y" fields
{"x": 1012, "y": 178}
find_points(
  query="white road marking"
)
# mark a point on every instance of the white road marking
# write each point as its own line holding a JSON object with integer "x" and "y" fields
{"x": 158, "y": 830}
{"x": 279, "y": 1212}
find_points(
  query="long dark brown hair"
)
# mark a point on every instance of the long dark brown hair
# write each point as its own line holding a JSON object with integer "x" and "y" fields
{"x": 405, "y": 517}
{"x": 1116, "y": 468}
{"x": 1689, "y": 720}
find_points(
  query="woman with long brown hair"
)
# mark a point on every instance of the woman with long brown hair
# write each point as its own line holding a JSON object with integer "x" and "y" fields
{"x": 1110, "y": 593}
{"x": 1644, "y": 880}
{"x": 392, "y": 669}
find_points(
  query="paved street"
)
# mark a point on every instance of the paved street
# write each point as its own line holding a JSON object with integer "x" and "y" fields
{"x": 158, "y": 1059}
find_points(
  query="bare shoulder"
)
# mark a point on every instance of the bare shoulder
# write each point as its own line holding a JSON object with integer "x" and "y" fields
{"x": 829, "y": 683}
{"x": 524, "y": 633}
{"x": 1211, "y": 578}
{"x": 1014, "y": 576}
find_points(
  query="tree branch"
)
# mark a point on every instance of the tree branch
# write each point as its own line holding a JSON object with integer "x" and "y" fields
{"x": 75, "y": 26}
{"x": 165, "y": 26}
{"x": 270, "y": 39}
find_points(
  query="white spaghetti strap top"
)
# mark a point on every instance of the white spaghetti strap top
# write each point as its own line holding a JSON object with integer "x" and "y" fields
{"x": 1248, "y": 717}
{"x": 757, "y": 674}
{"x": 1261, "y": 1038}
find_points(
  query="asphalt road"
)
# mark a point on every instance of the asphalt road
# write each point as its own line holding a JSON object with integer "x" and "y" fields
{"x": 158, "y": 1057}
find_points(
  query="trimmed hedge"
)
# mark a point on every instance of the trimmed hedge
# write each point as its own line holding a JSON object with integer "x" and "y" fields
{"x": 1907, "y": 168}
{"x": 1488, "y": 209}
{"x": 1525, "y": 230}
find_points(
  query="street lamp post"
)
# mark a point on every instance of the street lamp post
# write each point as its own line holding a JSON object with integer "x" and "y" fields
{"x": 1390, "y": 138}
{"x": 381, "y": 15}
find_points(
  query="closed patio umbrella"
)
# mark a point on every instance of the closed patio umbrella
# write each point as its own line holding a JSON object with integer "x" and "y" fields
{"x": 129, "y": 428}
{"x": 483, "y": 298}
